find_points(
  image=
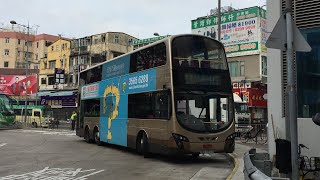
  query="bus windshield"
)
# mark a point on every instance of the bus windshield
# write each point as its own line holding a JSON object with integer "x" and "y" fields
{"x": 203, "y": 112}
{"x": 202, "y": 84}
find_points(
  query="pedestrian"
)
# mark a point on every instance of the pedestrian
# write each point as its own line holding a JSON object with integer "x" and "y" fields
{"x": 73, "y": 120}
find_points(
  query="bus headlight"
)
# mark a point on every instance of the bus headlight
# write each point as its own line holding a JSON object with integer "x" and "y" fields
{"x": 231, "y": 136}
{"x": 179, "y": 137}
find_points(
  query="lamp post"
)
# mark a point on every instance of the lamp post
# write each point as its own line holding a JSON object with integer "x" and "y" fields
{"x": 219, "y": 20}
{"x": 26, "y": 64}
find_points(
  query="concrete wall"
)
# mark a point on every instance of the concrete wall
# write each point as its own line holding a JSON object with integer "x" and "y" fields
{"x": 275, "y": 120}
{"x": 308, "y": 132}
{"x": 251, "y": 67}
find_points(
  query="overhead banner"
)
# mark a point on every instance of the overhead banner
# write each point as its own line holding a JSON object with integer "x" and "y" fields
{"x": 239, "y": 31}
{"x": 17, "y": 85}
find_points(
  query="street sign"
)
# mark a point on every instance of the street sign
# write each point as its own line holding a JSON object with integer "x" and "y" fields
{"x": 278, "y": 37}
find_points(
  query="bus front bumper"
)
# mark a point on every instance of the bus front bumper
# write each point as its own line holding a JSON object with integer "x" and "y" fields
{"x": 185, "y": 147}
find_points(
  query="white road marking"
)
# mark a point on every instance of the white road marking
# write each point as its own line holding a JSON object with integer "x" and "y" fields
{"x": 3, "y": 144}
{"x": 49, "y": 132}
{"x": 56, "y": 174}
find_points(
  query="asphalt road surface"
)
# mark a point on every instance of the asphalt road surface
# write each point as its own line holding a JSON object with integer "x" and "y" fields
{"x": 61, "y": 155}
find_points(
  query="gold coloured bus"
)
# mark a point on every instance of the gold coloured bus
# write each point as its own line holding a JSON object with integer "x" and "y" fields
{"x": 166, "y": 97}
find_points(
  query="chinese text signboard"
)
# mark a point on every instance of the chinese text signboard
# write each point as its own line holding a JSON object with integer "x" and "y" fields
{"x": 239, "y": 30}
{"x": 264, "y": 32}
{"x": 18, "y": 85}
{"x": 148, "y": 40}
{"x": 252, "y": 94}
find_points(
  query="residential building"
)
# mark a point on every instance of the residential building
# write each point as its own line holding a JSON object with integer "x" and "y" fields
{"x": 13, "y": 48}
{"x": 94, "y": 49}
{"x": 307, "y": 68}
{"x": 13, "y": 54}
{"x": 58, "y": 55}
{"x": 243, "y": 33}
{"x": 54, "y": 80}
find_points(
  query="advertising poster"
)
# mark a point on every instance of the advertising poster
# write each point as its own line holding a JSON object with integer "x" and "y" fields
{"x": 17, "y": 85}
{"x": 264, "y": 33}
{"x": 239, "y": 31}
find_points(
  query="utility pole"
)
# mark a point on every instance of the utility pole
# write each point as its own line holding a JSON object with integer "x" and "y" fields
{"x": 27, "y": 66}
{"x": 292, "y": 95}
{"x": 219, "y": 20}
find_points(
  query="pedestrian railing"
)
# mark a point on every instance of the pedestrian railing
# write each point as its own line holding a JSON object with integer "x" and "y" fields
{"x": 257, "y": 166}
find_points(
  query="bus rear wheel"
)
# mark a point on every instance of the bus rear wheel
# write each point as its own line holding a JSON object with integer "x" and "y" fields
{"x": 143, "y": 145}
{"x": 97, "y": 138}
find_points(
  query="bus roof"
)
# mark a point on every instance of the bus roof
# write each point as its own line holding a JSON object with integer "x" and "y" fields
{"x": 169, "y": 38}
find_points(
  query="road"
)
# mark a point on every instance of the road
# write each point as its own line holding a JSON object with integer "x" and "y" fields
{"x": 61, "y": 155}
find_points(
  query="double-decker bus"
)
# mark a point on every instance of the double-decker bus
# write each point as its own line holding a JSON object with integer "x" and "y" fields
{"x": 166, "y": 97}
{"x": 7, "y": 116}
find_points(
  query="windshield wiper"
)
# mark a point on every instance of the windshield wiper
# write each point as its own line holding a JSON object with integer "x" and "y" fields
{"x": 201, "y": 112}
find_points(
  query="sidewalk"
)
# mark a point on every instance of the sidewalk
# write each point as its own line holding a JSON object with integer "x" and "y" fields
{"x": 237, "y": 155}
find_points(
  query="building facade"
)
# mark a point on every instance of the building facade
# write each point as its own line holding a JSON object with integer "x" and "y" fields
{"x": 13, "y": 49}
{"x": 243, "y": 33}
{"x": 307, "y": 70}
{"x": 94, "y": 49}
{"x": 58, "y": 55}
{"x": 55, "y": 86}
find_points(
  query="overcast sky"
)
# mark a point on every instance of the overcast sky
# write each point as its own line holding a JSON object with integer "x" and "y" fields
{"x": 139, "y": 18}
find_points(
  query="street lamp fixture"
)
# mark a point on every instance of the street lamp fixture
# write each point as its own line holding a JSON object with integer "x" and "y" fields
{"x": 13, "y": 22}
{"x": 263, "y": 6}
{"x": 26, "y": 65}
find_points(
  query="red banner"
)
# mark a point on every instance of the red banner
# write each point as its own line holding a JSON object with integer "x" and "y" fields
{"x": 17, "y": 85}
{"x": 253, "y": 95}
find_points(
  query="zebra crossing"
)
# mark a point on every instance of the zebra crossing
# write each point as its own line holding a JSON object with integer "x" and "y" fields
{"x": 48, "y": 132}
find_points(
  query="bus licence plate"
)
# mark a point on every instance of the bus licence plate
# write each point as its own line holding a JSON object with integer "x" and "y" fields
{"x": 207, "y": 146}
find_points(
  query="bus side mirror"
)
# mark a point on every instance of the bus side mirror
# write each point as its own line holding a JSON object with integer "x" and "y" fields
{"x": 316, "y": 119}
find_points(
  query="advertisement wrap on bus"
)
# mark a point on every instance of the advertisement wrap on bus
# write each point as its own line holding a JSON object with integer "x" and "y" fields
{"x": 115, "y": 91}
